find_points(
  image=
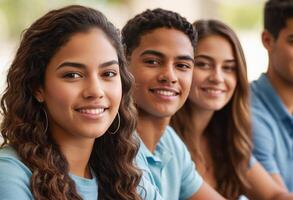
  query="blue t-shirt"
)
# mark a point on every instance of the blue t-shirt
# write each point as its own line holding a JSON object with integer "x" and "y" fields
{"x": 272, "y": 130}
{"x": 15, "y": 181}
{"x": 170, "y": 167}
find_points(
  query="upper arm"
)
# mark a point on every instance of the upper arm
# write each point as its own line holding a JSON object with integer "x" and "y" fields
{"x": 206, "y": 192}
{"x": 262, "y": 186}
{"x": 14, "y": 182}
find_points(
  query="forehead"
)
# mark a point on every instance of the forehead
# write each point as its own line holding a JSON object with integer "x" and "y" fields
{"x": 167, "y": 41}
{"x": 215, "y": 46}
{"x": 90, "y": 48}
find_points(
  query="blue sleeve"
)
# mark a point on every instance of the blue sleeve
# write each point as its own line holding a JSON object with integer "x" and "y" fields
{"x": 14, "y": 182}
{"x": 263, "y": 149}
{"x": 191, "y": 181}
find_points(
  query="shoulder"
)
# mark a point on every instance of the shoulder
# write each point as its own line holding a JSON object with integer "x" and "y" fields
{"x": 171, "y": 141}
{"x": 14, "y": 176}
{"x": 172, "y": 138}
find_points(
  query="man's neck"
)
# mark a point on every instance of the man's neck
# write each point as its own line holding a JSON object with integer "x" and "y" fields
{"x": 283, "y": 88}
{"x": 150, "y": 129}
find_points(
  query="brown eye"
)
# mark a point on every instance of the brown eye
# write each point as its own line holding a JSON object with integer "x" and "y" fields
{"x": 110, "y": 74}
{"x": 72, "y": 75}
{"x": 201, "y": 64}
{"x": 229, "y": 68}
{"x": 151, "y": 62}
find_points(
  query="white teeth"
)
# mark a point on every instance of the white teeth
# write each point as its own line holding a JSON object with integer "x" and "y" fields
{"x": 213, "y": 91}
{"x": 165, "y": 92}
{"x": 92, "y": 111}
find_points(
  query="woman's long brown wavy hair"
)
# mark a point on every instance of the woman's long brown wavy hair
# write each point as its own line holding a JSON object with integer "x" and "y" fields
{"x": 228, "y": 132}
{"x": 23, "y": 126}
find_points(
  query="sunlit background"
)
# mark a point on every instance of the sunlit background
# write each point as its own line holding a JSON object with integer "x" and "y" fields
{"x": 245, "y": 17}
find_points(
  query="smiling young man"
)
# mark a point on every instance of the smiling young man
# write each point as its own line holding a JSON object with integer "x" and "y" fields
{"x": 159, "y": 46}
{"x": 272, "y": 95}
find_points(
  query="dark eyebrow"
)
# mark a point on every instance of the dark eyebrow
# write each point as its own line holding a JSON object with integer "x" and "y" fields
{"x": 186, "y": 57}
{"x": 80, "y": 65}
{"x": 71, "y": 64}
{"x": 161, "y": 55}
{"x": 204, "y": 56}
{"x": 290, "y": 36}
{"x": 211, "y": 59}
{"x": 152, "y": 52}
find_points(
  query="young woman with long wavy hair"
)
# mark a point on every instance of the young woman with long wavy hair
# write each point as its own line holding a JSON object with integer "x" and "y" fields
{"x": 215, "y": 120}
{"x": 67, "y": 112}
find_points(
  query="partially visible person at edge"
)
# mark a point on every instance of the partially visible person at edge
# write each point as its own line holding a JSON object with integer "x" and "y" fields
{"x": 215, "y": 122}
{"x": 68, "y": 116}
{"x": 159, "y": 47}
{"x": 272, "y": 95}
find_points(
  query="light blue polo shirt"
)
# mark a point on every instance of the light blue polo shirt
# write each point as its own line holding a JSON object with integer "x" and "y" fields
{"x": 170, "y": 167}
{"x": 272, "y": 130}
{"x": 15, "y": 181}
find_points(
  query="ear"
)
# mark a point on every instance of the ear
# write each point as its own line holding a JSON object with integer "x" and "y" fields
{"x": 267, "y": 40}
{"x": 39, "y": 95}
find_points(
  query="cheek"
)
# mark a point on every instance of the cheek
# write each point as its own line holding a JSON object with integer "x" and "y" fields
{"x": 232, "y": 82}
{"x": 198, "y": 79}
{"x": 114, "y": 92}
{"x": 60, "y": 96}
{"x": 186, "y": 79}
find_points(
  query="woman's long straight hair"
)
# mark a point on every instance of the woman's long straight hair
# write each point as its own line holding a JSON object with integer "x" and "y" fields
{"x": 229, "y": 130}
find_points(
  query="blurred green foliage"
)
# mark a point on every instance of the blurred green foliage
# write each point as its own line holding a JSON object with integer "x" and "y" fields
{"x": 242, "y": 15}
{"x": 19, "y": 14}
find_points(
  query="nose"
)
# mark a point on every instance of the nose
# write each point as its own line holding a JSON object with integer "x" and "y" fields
{"x": 93, "y": 88}
{"x": 168, "y": 74}
{"x": 216, "y": 75}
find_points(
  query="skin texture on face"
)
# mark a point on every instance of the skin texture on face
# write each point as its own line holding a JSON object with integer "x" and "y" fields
{"x": 82, "y": 89}
{"x": 214, "y": 77}
{"x": 281, "y": 55}
{"x": 162, "y": 66}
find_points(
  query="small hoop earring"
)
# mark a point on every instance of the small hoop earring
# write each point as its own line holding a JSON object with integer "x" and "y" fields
{"x": 46, "y": 119}
{"x": 118, "y": 126}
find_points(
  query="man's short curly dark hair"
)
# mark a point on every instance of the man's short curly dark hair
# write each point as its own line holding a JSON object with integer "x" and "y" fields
{"x": 276, "y": 14}
{"x": 153, "y": 19}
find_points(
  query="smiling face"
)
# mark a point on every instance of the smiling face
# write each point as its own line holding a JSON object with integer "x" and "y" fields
{"x": 82, "y": 88}
{"x": 214, "y": 77}
{"x": 162, "y": 66}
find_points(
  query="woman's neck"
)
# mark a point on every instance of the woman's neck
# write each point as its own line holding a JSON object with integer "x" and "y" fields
{"x": 200, "y": 120}
{"x": 77, "y": 153}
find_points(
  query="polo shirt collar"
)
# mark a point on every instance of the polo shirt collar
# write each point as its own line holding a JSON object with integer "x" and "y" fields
{"x": 275, "y": 103}
{"x": 162, "y": 154}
